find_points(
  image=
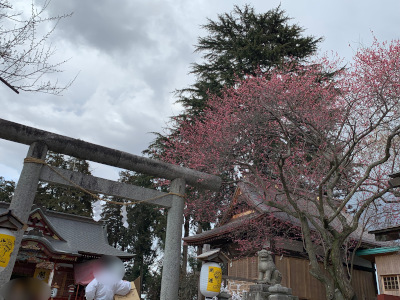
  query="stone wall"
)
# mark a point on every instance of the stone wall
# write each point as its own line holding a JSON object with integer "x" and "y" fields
{"x": 238, "y": 286}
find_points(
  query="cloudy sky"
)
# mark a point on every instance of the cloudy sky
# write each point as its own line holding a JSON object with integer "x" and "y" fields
{"x": 131, "y": 55}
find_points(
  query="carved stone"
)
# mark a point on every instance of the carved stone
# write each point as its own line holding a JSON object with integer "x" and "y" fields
{"x": 267, "y": 271}
{"x": 268, "y": 286}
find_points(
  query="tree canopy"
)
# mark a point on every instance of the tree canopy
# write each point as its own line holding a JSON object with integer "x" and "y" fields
{"x": 312, "y": 147}
{"x": 65, "y": 199}
{"x": 241, "y": 43}
{"x": 7, "y": 188}
{"x": 236, "y": 44}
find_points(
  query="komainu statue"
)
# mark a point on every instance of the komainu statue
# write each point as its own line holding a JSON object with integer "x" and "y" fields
{"x": 267, "y": 271}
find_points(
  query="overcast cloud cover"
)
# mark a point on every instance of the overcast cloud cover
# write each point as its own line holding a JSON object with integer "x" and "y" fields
{"x": 131, "y": 55}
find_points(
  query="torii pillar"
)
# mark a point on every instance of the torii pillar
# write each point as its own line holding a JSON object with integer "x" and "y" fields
{"x": 40, "y": 141}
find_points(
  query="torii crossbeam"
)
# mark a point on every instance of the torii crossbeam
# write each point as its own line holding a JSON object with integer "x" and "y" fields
{"x": 41, "y": 141}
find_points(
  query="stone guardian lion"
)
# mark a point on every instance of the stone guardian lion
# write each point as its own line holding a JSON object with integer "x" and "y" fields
{"x": 267, "y": 271}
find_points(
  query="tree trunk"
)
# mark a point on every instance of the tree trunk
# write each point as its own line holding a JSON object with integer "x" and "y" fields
{"x": 336, "y": 281}
{"x": 343, "y": 288}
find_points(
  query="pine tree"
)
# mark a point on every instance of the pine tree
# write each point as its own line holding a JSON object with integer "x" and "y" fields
{"x": 241, "y": 43}
{"x": 237, "y": 44}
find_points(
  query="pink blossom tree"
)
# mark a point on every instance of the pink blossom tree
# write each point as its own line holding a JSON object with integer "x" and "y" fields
{"x": 314, "y": 145}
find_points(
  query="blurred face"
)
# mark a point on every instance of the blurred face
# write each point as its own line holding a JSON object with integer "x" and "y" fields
{"x": 111, "y": 270}
{"x": 25, "y": 289}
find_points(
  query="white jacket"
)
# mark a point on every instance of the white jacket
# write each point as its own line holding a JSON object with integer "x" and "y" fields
{"x": 99, "y": 291}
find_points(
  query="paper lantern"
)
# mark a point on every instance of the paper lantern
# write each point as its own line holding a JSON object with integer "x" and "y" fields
{"x": 210, "y": 279}
{"x": 54, "y": 290}
{"x": 7, "y": 242}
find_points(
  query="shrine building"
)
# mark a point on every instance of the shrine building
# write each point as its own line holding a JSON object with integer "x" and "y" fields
{"x": 54, "y": 243}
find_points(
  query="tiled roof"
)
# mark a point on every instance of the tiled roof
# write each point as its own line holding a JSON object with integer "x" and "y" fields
{"x": 255, "y": 200}
{"x": 219, "y": 232}
{"x": 80, "y": 235}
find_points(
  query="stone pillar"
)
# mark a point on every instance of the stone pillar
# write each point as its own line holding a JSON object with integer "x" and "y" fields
{"x": 173, "y": 242}
{"x": 22, "y": 201}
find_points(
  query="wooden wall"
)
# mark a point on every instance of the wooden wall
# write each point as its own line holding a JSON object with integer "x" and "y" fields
{"x": 244, "y": 268}
{"x": 387, "y": 265}
{"x": 296, "y": 275}
{"x": 364, "y": 284}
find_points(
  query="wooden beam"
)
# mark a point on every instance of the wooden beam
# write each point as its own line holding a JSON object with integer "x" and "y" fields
{"x": 105, "y": 186}
{"x": 77, "y": 148}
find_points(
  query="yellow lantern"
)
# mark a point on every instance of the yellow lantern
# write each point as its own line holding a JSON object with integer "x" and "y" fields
{"x": 7, "y": 242}
{"x": 9, "y": 224}
{"x": 210, "y": 279}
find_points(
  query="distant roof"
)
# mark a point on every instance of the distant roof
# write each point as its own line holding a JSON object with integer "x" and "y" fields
{"x": 78, "y": 235}
{"x": 254, "y": 199}
{"x": 387, "y": 233}
{"x": 219, "y": 232}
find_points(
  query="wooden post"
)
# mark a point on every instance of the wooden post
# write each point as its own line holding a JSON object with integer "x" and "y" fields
{"x": 173, "y": 242}
{"x": 22, "y": 201}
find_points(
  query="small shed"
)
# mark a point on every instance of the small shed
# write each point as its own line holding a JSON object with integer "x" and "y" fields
{"x": 387, "y": 261}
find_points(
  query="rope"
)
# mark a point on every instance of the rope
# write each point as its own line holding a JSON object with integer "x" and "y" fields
{"x": 42, "y": 162}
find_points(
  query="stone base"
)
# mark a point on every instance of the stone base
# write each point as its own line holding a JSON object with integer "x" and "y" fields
{"x": 282, "y": 297}
{"x": 278, "y": 289}
{"x": 260, "y": 287}
{"x": 269, "y": 292}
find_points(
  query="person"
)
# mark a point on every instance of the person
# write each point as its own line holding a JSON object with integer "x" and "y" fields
{"x": 96, "y": 290}
{"x": 107, "y": 280}
{"x": 25, "y": 289}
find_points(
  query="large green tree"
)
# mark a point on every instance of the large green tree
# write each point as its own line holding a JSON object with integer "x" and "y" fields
{"x": 7, "y": 188}
{"x": 55, "y": 197}
{"x": 238, "y": 44}
{"x": 65, "y": 199}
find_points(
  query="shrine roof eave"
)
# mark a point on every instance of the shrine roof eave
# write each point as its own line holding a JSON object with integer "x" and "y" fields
{"x": 50, "y": 245}
{"x": 62, "y": 248}
{"x": 48, "y": 223}
{"x": 219, "y": 233}
{"x": 224, "y": 232}
{"x": 122, "y": 255}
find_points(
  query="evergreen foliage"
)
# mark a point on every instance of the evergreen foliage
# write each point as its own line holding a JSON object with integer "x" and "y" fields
{"x": 241, "y": 43}
{"x": 65, "y": 199}
{"x": 7, "y": 188}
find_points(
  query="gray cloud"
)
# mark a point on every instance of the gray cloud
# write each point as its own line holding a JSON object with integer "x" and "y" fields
{"x": 105, "y": 25}
{"x": 133, "y": 54}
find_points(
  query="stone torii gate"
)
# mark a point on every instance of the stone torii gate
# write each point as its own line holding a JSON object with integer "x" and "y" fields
{"x": 41, "y": 141}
